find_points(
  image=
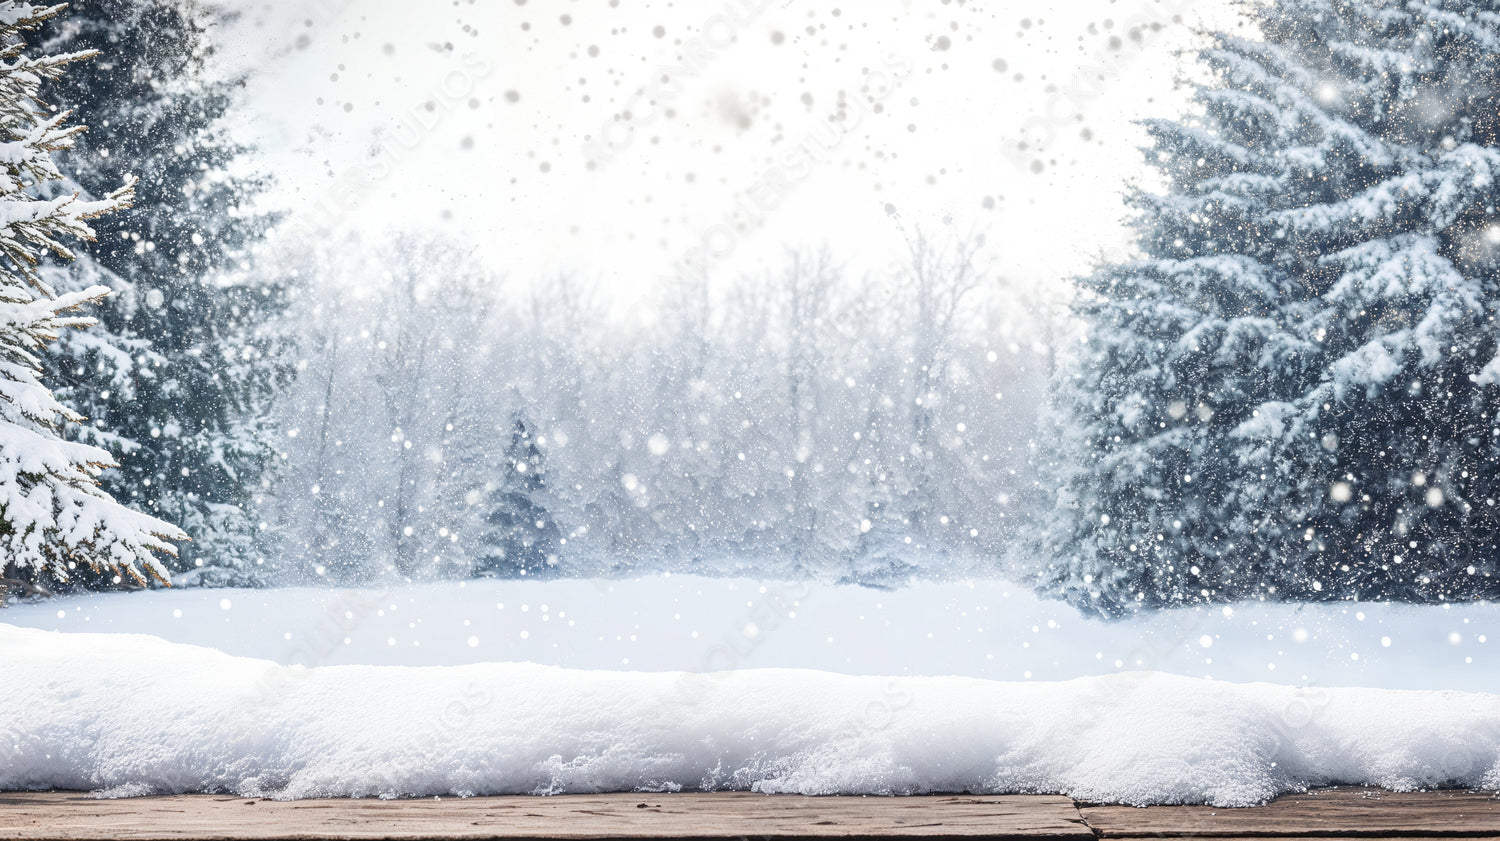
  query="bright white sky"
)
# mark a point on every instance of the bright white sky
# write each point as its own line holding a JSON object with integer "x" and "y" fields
{"x": 476, "y": 116}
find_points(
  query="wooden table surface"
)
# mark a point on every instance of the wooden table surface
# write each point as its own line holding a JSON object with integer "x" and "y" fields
{"x": 1330, "y": 813}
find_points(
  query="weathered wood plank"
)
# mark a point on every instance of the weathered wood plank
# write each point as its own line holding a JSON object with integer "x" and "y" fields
{"x": 74, "y": 816}
{"x": 1341, "y": 812}
{"x": 1329, "y": 814}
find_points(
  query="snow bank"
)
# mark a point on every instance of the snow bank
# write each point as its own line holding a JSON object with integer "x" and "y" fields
{"x": 132, "y": 714}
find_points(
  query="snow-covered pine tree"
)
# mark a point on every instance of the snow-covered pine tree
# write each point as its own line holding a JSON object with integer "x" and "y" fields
{"x": 1293, "y": 393}
{"x": 186, "y": 359}
{"x": 53, "y": 516}
{"x": 519, "y": 536}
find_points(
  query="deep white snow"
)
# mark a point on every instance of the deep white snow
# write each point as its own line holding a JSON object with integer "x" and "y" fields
{"x": 983, "y": 629}
{"x": 130, "y": 714}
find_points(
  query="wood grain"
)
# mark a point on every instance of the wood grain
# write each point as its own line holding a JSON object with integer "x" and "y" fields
{"x": 54, "y": 816}
{"x": 1326, "y": 815}
{"x": 1341, "y": 812}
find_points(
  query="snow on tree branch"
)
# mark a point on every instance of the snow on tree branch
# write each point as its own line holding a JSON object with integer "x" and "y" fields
{"x": 53, "y": 516}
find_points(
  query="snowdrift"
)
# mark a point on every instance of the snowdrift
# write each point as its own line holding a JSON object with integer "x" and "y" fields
{"x": 129, "y": 714}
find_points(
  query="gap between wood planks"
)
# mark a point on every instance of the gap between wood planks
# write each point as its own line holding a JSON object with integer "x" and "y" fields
{"x": 1343, "y": 813}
